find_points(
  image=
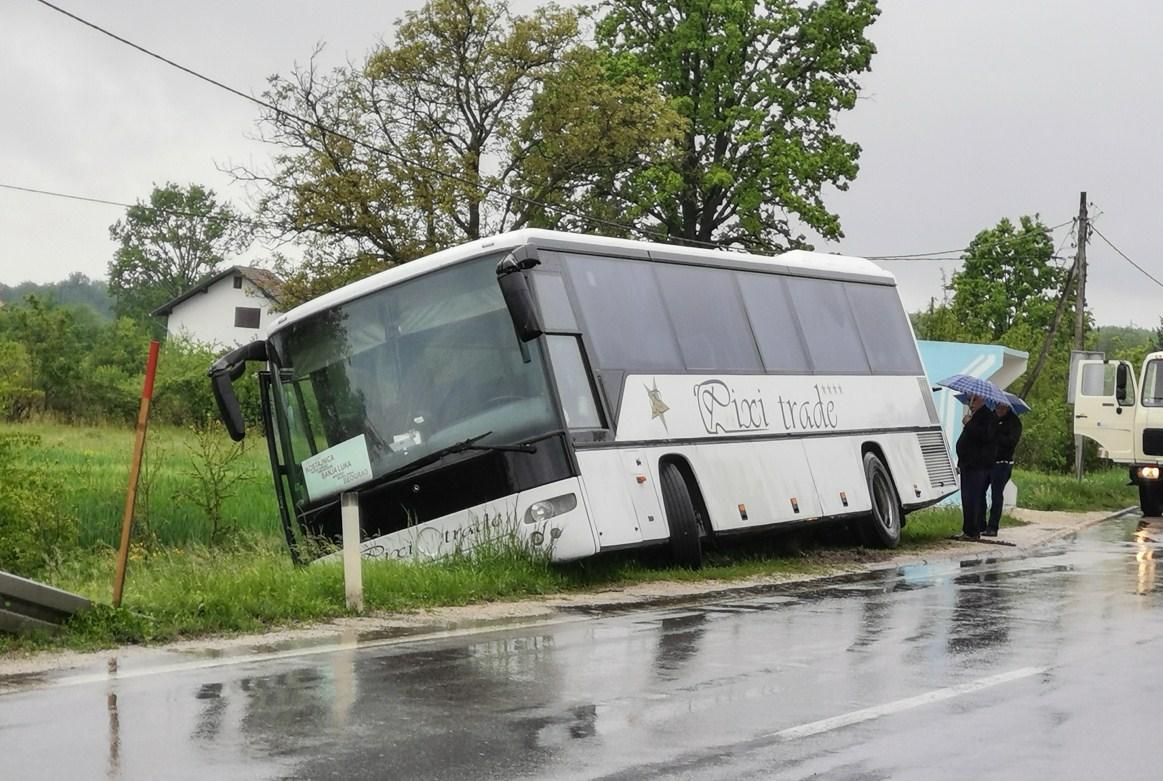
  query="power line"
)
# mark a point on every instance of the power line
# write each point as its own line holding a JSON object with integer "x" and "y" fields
{"x": 959, "y": 253}
{"x": 956, "y": 258}
{"x": 260, "y": 223}
{"x": 105, "y": 202}
{"x": 1122, "y": 254}
{"x": 488, "y": 189}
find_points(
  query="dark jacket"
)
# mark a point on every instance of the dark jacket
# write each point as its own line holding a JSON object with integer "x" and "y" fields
{"x": 977, "y": 445}
{"x": 1009, "y": 431}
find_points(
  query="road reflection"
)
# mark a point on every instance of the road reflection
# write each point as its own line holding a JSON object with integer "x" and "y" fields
{"x": 1145, "y": 556}
{"x": 981, "y": 614}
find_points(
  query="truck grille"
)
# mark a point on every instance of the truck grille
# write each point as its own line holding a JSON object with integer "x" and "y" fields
{"x": 937, "y": 462}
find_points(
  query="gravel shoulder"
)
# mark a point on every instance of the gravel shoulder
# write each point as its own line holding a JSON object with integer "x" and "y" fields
{"x": 1042, "y": 527}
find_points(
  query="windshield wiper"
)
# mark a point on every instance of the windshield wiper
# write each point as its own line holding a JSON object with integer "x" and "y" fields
{"x": 458, "y": 447}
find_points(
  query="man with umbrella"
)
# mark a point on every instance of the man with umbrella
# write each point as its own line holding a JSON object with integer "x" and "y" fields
{"x": 976, "y": 452}
{"x": 976, "y": 447}
{"x": 1009, "y": 431}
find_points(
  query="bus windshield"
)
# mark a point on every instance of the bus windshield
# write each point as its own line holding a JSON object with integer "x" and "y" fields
{"x": 380, "y": 382}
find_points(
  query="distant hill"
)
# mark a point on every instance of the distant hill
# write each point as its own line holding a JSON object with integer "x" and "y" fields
{"x": 77, "y": 289}
{"x": 1117, "y": 340}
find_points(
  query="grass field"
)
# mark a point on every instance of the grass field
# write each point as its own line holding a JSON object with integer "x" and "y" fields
{"x": 1100, "y": 489}
{"x": 93, "y": 465}
{"x": 180, "y": 586}
{"x": 250, "y": 584}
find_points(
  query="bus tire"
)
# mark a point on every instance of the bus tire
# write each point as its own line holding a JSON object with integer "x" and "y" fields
{"x": 883, "y": 528}
{"x": 685, "y": 547}
{"x": 1151, "y": 499}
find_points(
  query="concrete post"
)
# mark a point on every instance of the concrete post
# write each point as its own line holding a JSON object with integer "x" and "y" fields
{"x": 352, "y": 563}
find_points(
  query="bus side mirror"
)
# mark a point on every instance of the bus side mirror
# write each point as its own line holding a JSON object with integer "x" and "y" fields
{"x": 223, "y": 373}
{"x": 518, "y": 296}
{"x": 1121, "y": 374}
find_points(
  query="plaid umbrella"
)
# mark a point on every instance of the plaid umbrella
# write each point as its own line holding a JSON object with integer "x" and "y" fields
{"x": 1017, "y": 403}
{"x": 975, "y": 386}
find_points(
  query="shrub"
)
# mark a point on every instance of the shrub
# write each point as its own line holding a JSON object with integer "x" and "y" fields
{"x": 34, "y": 528}
{"x": 18, "y": 394}
{"x": 182, "y": 395}
{"x": 217, "y": 470}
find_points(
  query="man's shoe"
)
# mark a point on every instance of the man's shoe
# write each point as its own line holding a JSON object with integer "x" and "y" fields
{"x": 967, "y": 537}
{"x": 989, "y": 533}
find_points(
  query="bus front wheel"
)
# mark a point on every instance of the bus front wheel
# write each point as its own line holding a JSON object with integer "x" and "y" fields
{"x": 884, "y": 527}
{"x": 685, "y": 548}
{"x": 1151, "y": 498}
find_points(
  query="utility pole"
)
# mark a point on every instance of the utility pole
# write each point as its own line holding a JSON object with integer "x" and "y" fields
{"x": 1080, "y": 308}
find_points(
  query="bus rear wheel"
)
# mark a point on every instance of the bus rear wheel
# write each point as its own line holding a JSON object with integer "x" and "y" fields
{"x": 883, "y": 528}
{"x": 1151, "y": 498}
{"x": 685, "y": 547}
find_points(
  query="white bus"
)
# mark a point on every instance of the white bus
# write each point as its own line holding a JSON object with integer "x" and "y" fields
{"x": 599, "y": 394}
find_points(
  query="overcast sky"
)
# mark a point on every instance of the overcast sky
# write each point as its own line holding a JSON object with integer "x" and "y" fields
{"x": 974, "y": 110}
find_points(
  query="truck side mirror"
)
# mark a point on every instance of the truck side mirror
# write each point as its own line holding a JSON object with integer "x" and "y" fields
{"x": 518, "y": 296}
{"x": 1121, "y": 374}
{"x": 223, "y": 373}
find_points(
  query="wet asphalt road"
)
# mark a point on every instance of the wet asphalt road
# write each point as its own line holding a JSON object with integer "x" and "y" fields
{"x": 1049, "y": 667}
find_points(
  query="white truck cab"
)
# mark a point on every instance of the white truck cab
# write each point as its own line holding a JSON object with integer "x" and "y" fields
{"x": 1126, "y": 419}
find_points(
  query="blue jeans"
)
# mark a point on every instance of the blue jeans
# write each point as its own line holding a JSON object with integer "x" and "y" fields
{"x": 998, "y": 477}
{"x": 974, "y": 485}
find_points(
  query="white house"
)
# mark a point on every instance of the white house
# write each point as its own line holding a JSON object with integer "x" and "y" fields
{"x": 224, "y": 310}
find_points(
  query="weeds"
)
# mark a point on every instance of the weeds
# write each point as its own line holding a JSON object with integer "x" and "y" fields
{"x": 216, "y": 471}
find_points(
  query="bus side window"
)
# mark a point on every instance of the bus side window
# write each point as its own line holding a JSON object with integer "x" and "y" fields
{"x": 573, "y": 383}
{"x": 828, "y": 325}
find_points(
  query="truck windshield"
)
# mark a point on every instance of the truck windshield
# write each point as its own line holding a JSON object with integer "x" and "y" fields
{"x": 1153, "y": 384}
{"x": 375, "y": 384}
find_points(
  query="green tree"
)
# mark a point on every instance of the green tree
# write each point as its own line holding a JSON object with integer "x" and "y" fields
{"x": 166, "y": 245}
{"x": 759, "y": 84}
{"x": 1126, "y": 343}
{"x": 18, "y": 394}
{"x": 444, "y": 98}
{"x": 55, "y": 338}
{"x": 1006, "y": 292}
{"x": 455, "y": 130}
{"x": 1008, "y": 277}
{"x": 594, "y": 123}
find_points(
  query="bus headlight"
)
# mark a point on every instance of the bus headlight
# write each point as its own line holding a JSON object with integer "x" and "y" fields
{"x": 542, "y": 511}
{"x": 1149, "y": 472}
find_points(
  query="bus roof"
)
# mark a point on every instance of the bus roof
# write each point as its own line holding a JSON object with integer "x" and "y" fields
{"x": 798, "y": 262}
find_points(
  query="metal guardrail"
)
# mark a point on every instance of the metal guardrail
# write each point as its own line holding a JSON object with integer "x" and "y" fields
{"x": 28, "y": 606}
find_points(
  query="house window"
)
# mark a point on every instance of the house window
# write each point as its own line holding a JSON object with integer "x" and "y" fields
{"x": 246, "y": 316}
{"x": 238, "y": 282}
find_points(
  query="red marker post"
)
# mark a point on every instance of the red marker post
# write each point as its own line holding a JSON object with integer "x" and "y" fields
{"x": 134, "y": 471}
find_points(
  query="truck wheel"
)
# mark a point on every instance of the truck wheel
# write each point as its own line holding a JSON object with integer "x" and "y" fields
{"x": 883, "y": 528}
{"x": 1151, "y": 498}
{"x": 685, "y": 547}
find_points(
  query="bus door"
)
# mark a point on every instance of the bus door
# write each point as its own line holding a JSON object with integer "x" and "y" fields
{"x": 1104, "y": 406}
{"x": 275, "y": 437}
{"x": 619, "y": 501}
